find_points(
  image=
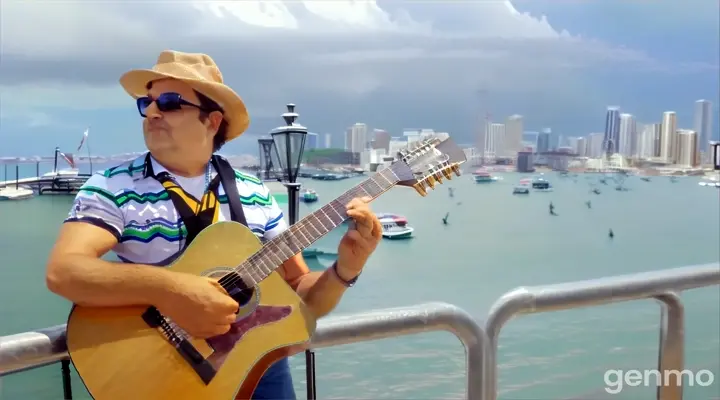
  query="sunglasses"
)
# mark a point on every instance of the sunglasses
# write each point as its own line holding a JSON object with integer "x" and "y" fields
{"x": 166, "y": 102}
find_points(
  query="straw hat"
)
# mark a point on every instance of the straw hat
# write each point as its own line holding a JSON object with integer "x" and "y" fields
{"x": 202, "y": 74}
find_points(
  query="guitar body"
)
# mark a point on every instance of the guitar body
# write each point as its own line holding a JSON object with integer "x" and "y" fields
{"x": 120, "y": 356}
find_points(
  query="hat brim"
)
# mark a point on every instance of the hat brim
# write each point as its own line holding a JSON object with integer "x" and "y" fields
{"x": 235, "y": 113}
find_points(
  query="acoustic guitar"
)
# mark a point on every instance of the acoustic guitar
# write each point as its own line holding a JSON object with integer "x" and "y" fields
{"x": 124, "y": 353}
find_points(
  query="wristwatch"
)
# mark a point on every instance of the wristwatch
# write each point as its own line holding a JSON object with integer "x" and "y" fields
{"x": 349, "y": 283}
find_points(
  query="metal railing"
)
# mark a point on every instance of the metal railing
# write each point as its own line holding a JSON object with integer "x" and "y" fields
{"x": 660, "y": 285}
{"x": 30, "y": 350}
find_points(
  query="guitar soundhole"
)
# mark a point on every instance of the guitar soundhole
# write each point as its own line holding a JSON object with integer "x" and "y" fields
{"x": 237, "y": 288}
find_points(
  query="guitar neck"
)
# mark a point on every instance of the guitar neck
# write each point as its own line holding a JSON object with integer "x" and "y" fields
{"x": 311, "y": 228}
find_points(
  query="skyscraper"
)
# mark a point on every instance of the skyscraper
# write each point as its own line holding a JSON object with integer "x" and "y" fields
{"x": 627, "y": 135}
{"x": 703, "y": 124}
{"x": 687, "y": 154}
{"x": 513, "y": 135}
{"x": 668, "y": 136}
{"x": 543, "y": 141}
{"x": 612, "y": 130}
{"x": 495, "y": 145}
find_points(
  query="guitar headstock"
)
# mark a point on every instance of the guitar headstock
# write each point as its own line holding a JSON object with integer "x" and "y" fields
{"x": 424, "y": 164}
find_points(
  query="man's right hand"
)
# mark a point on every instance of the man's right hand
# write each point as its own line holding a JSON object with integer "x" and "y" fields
{"x": 199, "y": 305}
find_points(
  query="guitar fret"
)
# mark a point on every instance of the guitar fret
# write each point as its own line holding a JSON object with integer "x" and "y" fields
{"x": 311, "y": 228}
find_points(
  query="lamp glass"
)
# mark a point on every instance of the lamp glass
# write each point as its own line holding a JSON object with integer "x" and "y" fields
{"x": 290, "y": 145}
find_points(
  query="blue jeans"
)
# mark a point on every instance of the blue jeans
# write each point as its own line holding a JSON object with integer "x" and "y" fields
{"x": 276, "y": 384}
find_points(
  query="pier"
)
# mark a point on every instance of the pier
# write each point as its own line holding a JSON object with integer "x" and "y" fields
{"x": 27, "y": 350}
{"x": 58, "y": 181}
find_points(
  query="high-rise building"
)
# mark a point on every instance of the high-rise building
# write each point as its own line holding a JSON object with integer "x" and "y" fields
{"x": 581, "y": 146}
{"x": 612, "y": 130}
{"x": 513, "y": 135}
{"x": 495, "y": 144}
{"x": 382, "y": 139}
{"x": 657, "y": 140}
{"x": 702, "y": 124}
{"x": 594, "y": 147}
{"x": 687, "y": 153}
{"x": 645, "y": 144}
{"x": 311, "y": 141}
{"x": 543, "y": 141}
{"x": 668, "y": 137}
{"x": 627, "y": 135}
{"x": 358, "y": 138}
{"x": 328, "y": 140}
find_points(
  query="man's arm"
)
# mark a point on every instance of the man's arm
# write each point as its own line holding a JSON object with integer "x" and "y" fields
{"x": 76, "y": 272}
{"x": 321, "y": 291}
{"x": 93, "y": 227}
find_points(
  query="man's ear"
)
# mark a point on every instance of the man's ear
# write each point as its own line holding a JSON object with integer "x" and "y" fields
{"x": 215, "y": 119}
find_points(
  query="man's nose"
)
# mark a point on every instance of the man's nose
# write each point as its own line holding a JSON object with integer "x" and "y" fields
{"x": 153, "y": 112}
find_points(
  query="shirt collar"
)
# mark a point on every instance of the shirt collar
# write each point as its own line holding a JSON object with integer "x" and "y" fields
{"x": 158, "y": 168}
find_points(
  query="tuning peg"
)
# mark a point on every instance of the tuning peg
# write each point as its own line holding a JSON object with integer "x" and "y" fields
{"x": 448, "y": 174}
{"x": 430, "y": 181}
{"x": 438, "y": 175}
{"x": 456, "y": 169}
{"x": 420, "y": 189}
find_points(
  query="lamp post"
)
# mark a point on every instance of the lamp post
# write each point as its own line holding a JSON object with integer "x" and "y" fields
{"x": 289, "y": 143}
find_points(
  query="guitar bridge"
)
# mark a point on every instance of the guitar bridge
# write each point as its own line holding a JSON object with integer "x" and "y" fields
{"x": 200, "y": 364}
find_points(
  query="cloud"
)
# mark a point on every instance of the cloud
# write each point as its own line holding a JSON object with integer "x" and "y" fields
{"x": 374, "y": 54}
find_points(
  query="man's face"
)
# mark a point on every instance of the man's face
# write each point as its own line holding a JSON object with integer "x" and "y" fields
{"x": 178, "y": 133}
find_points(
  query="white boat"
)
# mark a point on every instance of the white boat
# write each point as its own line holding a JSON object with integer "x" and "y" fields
{"x": 395, "y": 226}
{"x": 483, "y": 176}
{"x": 13, "y": 193}
{"x": 710, "y": 184}
{"x": 540, "y": 184}
{"x": 523, "y": 187}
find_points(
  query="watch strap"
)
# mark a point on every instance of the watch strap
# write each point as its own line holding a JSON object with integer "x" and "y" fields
{"x": 348, "y": 283}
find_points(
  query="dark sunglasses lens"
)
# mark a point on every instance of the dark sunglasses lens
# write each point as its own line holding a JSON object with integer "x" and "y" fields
{"x": 142, "y": 104}
{"x": 168, "y": 102}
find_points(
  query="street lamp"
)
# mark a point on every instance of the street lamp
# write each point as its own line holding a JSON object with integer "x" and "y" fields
{"x": 290, "y": 144}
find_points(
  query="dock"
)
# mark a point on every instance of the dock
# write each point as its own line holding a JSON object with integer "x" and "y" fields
{"x": 59, "y": 181}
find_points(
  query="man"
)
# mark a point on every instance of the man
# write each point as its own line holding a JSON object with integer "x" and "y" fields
{"x": 148, "y": 210}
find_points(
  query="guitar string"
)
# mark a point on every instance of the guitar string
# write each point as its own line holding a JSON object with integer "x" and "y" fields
{"x": 247, "y": 265}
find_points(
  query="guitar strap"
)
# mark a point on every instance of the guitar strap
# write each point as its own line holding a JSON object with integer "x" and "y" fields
{"x": 199, "y": 214}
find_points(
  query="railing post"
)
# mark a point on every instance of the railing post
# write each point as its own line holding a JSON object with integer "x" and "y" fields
{"x": 66, "y": 379}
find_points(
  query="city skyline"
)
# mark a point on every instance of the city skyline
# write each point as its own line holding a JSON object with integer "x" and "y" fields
{"x": 391, "y": 65}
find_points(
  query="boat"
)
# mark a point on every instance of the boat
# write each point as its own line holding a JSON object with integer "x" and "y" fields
{"x": 540, "y": 184}
{"x": 15, "y": 193}
{"x": 523, "y": 187}
{"x": 483, "y": 176}
{"x": 309, "y": 196}
{"x": 395, "y": 226}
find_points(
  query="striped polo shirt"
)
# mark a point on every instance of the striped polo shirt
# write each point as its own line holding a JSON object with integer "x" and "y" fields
{"x": 137, "y": 210}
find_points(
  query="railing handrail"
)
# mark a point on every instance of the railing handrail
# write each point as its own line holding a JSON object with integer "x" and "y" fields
{"x": 28, "y": 350}
{"x": 654, "y": 284}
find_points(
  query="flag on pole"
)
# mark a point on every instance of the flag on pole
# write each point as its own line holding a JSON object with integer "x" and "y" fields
{"x": 85, "y": 135}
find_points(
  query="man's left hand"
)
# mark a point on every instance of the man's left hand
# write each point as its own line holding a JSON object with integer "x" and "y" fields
{"x": 361, "y": 239}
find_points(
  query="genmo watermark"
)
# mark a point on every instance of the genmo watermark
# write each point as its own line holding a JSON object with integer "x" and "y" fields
{"x": 617, "y": 379}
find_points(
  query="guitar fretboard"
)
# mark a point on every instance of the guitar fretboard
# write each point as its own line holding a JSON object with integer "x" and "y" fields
{"x": 311, "y": 228}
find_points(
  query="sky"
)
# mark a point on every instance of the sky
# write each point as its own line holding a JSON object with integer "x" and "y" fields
{"x": 392, "y": 64}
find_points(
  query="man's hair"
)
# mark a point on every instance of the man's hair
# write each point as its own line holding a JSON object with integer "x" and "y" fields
{"x": 207, "y": 103}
